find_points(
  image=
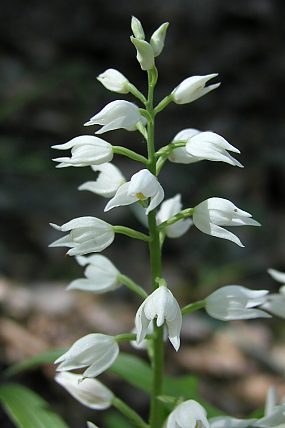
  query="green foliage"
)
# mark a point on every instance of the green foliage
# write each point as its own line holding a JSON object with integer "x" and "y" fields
{"x": 115, "y": 420}
{"x": 26, "y": 409}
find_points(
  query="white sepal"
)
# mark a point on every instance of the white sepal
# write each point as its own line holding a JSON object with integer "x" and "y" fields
{"x": 189, "y": 414}
{"x": 229, "y": 422}
{"x": 108, "y": 181}
{"x": 143, "y": 185}
{"x": 86, "y": 150}
{"x": 95, "y": 351}
{"x": 234, "y": 302}
{"x": 180, "y": 155}
{"x": 115, "y": 115}
{"x": 87, "y": 235}
{"x": 275, "y": 304}
{"x": 114, "y": 81}
{"x": 100, "y": 275}
{"x": 89, "y": 392}
{"x": 145, "y": 54}
{"x": 213, "y": 213}
{"x": 137, "y": 28}
{"x": 277, "y": 275}
{"x": 162, "y": 306}
{"x": 212, "y": 147}
{"x": 193, "y": 88}
{"x": 91, "y": 425}
{"x": 168, "y": 209}
{"x": 157, "y": 39}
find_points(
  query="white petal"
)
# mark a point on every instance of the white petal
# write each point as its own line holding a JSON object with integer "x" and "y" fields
{"x": 89, "y": 392}
{"x": 228, "y": 422}
{"x": 156, "y": 199}
{"x": 114, "y": 81}
{"x": 121, "y": 198}
{"x": 143, "y": 182}
{"x": 277, "y": 275}
{"x": 185, "y": 134}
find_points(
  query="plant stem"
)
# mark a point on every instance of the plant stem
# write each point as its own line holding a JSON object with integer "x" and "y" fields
{"x": 129, "y": 413}
{"x": 155, "y": 261}
{"x": 128, "y": 282}
{"x": 131, "y": 232}
{"x": 129, "y": 153}
{"x": 192, "y": 307}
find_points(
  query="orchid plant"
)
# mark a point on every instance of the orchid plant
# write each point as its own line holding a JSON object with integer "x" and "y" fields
{"x": 159, "y": 315}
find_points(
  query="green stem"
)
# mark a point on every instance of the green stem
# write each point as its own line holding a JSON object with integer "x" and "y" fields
{"x": 134, "y": 91}
{"x": 188, "y": 212}
{"x": 192, "y": 307}
{"x": 129, "y": 153}
{"x": 163, "y": 103}
{"x": 128, "y": 282}
{"x": 155, "y": 261}
{"x": 129, "y": 413}
{"x": 131, "y": 233}
{"x": 128, "y": 337}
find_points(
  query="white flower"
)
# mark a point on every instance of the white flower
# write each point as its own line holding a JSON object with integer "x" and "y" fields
{"x": 89, "y": 392}
{"x": 143, "y": 185}
{"x": 115, "y": 115}
{"x": 180, "y": 155}
{"x": 85, "y": 150}
{"x": 193, "y": 88}
{"x": 157, "y": 39}
{"x": 189, "y": 414}
{"x": 211, "y": 146}
{"x": 101, "y": 275}
{"x": 277, "y": 275}
{"x": 234, "y": 302}
{"x": 91, "y": 425}
{"x": 168, "y": 209}
{"x": 229, "y": 422}
{"x": 95, "y": 351}
{"x": 87, "y": 235}
{"x": 145, "y": 54}
{"x": 274, "y": 416}
{"x": 108, "y": 181}
{"x": 275, "y": 303}
{"x": 114, "y": 81}
{"x": 164, "y": 307}
{"x": 213, "y": 213}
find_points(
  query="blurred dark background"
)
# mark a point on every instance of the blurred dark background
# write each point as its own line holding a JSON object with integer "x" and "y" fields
{"x": 51, "y": 54}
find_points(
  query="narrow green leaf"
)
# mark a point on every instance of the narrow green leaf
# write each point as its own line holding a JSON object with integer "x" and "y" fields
{"x": 27, "y": 409}
{"x": 115, "y": 420}
{"x": 134, "y": 370}
{"x": 31, "y": 363}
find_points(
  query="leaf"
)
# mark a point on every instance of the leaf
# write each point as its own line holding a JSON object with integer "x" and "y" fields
{"x": 27, "y": 409}
{"x": 134, "y": 370}
{"x": 31, "y": 363}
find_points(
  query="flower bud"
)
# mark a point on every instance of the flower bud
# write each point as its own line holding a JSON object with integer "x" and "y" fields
{"x": 193, "y": 88}
{"x": 189, "y": 414}
{"x": 114, "y": 81}
{"x": 137, "y": 28}
{"x": 157, "y": 39}
{"x": 145, "y": 55}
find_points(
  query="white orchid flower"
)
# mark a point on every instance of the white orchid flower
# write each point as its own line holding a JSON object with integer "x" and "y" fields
{"x": 86, "y": 235}
{"x": 234, "y": 302}
{"x": 100, "y": 275}
{"x": 162, "y": 306}
{"x": 168, "y": 209}
{"x": 193, "y": 88}
{"x": 277, "y": 275}
{"x": 137, "y": 28}
{"x": 115, "y": 115}
{"x": 108, "y": 181}
{"x": 213, "y": 213}
{"x": 86, "y": 150}
{"x": 189, "y": 414}
{"x": 114, "y": 81}
{"x": 142, "y": 186}
{"x": 180, "y": 155}
{"x": 275, "y": 303}
{"x": 89, "y": 392}
{"x": 95, "y": 351}
{"x": 229, "y": 422}
{"x": 212, "y": 147}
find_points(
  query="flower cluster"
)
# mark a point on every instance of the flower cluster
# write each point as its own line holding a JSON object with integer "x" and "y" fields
{"x": 159, "y": 314}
